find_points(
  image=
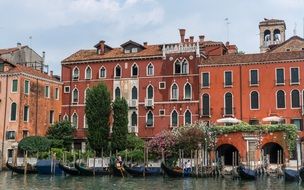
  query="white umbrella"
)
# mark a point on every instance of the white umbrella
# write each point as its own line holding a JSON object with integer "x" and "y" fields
{"x": 272, "y": 119}
{"x": 228, "y": 120}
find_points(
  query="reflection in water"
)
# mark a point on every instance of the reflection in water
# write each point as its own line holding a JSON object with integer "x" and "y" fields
{"x": 7, "y": 181}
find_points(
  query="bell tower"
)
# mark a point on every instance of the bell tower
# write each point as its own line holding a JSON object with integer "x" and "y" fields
{"x": 272, "y": 32}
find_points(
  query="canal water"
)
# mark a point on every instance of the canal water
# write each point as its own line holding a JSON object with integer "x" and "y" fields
{"x": 19, "y": 182}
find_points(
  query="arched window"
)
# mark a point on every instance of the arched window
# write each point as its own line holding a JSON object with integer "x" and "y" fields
{"x": 102, "y": 72}
{"x": 134, "y": 93}
{"x": 74, "y": 121}
{"x": 267, "y": 36}
{"x": 88, "y": 73}
{"x": 85, "y": 123}
{"x": 276, "y": 35}
{"x": 75, "y": 73}
{"x": 206, "y": 105}
{"x": 254, "y": 100}
{"x": 188, "y": 117}
{"x": 75, "y": 95}
{"x": 174, "y": 92}
{"x": 117, "y": 92}
{"x": 134, "y": 70}
{"x": 134, "y": 119}
{"x": 13, "y": 111}
{"x": 85, "y": 95}
{"x": 228, "y": 109}
{"x": 66, "y": 117}
{"x": 150, "y": 119}
{"x": 281, "y": 99}
{"x": 117, "y": 71}
{"x": 150, "y": 70}
{"x": 174, "y": 118}
{"x": 185, "y": 67}
{"x": 187, "y": 91}
{"x": 177, "y": 67}
{"x": 295, "y": 99}
{"x": 150, "y": 92}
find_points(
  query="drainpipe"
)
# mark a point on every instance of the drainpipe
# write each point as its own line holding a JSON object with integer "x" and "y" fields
{"x": 241, "y": 96}
{"x": 4, "y": 122}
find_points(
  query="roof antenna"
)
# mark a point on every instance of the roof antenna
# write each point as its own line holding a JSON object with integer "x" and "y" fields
{"x": 295, "y": 29}
{"x": 227, "y": 25}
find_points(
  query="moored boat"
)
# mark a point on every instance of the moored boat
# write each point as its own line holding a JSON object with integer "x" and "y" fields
{"x": 48, "y": 167}
{"x": 68, "y": 170}
{"x": 20, "y": 169}
{"x": 291, "y": 175}
{"x": 246, "y": 173}
{"x": 173, "y": 172}
{"x": 301, "y": 173}
{"x": 139, "y": 171}
{"x": 90, "y": 171}
{"x": 118, "y": 171}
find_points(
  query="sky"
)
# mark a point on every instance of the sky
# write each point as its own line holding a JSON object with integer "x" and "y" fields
{"x": 62, "y": 27}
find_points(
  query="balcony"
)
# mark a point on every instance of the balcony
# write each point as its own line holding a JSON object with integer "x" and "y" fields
{"x": 133, "y": 129}
{"x": 149, "y": 103}
{"x": 206, "y": 112}
{"x": 133, "y": 103}
{"x": 254, "y": 83}
{"x": 228, "y": 112}
{"x": 75, "y": 77}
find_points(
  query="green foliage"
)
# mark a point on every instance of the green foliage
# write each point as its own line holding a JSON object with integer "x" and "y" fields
{"x": 134, "y": 142}
{"x": 120, "y": 125}
{"x": 34, "y": 144}
{"x": 136, "y": 155}
{"x": 98, "y": 110}
{"x": 61, "y": 135}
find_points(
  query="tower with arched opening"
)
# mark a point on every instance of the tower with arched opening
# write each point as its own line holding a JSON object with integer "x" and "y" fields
{"x": 272, "y": 32}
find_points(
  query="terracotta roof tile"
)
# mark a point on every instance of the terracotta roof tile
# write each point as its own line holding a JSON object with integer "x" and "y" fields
{"x": 86, "y": 55}
{"x": 10, "y": 50}
{"x": 254, "y": 58}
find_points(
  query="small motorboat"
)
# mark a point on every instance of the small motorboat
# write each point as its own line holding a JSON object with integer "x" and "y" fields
{"x": 291, "y": 175}
{"x": 86, "y": 171}
{"x": 246, "y": 173}
{"x": 69, "y": 170}
{"x": 20, "y": 169}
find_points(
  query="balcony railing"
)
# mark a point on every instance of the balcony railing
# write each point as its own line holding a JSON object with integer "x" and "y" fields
{"x": 133, "y": 103}
{"x": 133, "y": 129}
{"x": 149, "y": 103}
{"x": 228, "y": 112}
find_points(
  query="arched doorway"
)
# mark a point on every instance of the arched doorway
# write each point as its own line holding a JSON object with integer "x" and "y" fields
{"x": 272, "y": 150}
{"x": 228, "y": 151}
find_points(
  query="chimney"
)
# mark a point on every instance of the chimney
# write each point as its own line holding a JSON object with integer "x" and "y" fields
{"x": 182, "y": 33}
{"x": 43, "y": 57}
{"x": 51, "y": 73}
{"x": 227, "y": 43}
{"x": 201, "y": 38}
{"x": 145, "y": 43}
{"x": 101, "y": 48}
{"x": 18, "y": 45}
{"x": 191, "y": 39}
{"x": 186, "y": 40}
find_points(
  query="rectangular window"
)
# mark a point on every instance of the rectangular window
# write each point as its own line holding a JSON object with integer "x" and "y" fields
{"x": 254, "y": 78}
{"x": 51, "y": 116}
{"x": 26, "y": 114}
{"x": 228, "y": 78}
{"x": 280, "y": 79}
{"x": 15, "y": 85}
{"x": 47, "y": 91}
{"x": 10, "y": 135}
{"x": 66, "y": 89}
{"x": 56, "y": 95}
{"x": 161, "y": 112}
{"x": 1, "y": 67}
{"x": 134, "y": 50}
{"x": 205, "y": 78}
{"x": 294, "y": 76}
{"x": 162, "y": 85}
{"x": 26, "y": 87}
{"x": 298, "y": 123}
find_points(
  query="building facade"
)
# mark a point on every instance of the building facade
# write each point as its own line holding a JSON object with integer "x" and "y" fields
{"x": 30, "y": 101}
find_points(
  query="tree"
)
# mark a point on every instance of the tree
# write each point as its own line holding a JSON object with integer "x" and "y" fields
{"x": 120, "y": 125}
{"x": 98, "y": 109}
{"x": 61, "y": 135}
{"x": 34, "y": 144}
{"x": 164, "y": 141}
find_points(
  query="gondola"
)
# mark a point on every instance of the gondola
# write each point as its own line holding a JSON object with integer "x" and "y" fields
{"x": 90, "y": 171}
{"x": 118, "y": 171}
{"x": 20, "y": 169}
{"x": 301, "y": 173}
{"x": 291, "y": 175}
{"x": 48, "y": 167}
{"x": 246, "y": 173}
{"x": 68, "y": 170}
{"x": 139, "y": 171}
{"x": 172, "y": 172}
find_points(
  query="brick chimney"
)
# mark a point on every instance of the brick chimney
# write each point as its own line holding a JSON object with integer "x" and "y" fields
{"x": 51, "y": 73}
{"x": 182, "y": 33}
{"x": 187, "y": 40}
{"x": 101, "y": 48}
{"x": 191, "y": 39}
{"x": 145, "y": 43}
{"x": 201, "y": 38}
